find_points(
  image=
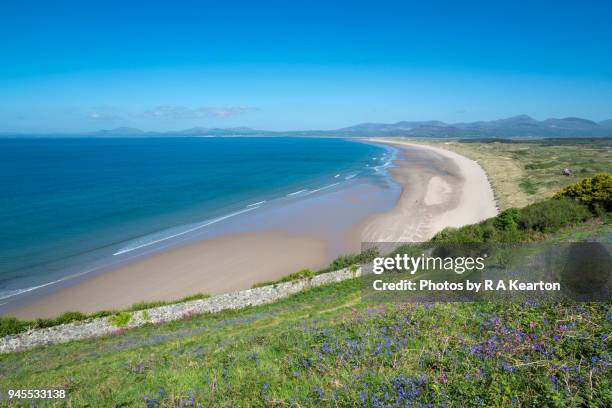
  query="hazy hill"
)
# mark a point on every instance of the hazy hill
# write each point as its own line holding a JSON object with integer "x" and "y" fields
{"x": 512, "y": 127}
{"x": 606, "y": 123}
{"x": 516, "y": 126}
{"x": 120, "y": 131}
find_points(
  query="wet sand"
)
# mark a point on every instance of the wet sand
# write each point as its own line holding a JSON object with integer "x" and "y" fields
{"x": 439, "y": 189}
{"x": 219, "y": 265}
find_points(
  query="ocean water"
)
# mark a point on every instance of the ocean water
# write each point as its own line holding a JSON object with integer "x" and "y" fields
{"x": 68, "y": 205}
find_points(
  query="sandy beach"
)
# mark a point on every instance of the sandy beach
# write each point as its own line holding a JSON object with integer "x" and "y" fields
{"x": 439, "y": 189}
{"x": 218, "y": 265}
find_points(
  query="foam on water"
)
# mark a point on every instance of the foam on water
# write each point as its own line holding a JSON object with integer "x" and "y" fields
{"x": 148, "y": 241}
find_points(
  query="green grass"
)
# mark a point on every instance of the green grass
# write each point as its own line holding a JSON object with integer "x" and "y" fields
{"x": 121, "y": 319}
{"x": 528, "y": 187}
{"x": 148, "y": 305}
{"x": 303, "y": 274}
{"x": 11, "y": 325}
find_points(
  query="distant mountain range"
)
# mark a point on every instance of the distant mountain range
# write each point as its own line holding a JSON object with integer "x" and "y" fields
{"x": 513, "y": 127}
{"x": 516, "y": 126}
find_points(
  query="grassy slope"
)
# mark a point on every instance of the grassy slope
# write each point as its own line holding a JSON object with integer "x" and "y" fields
{"x": 525, "y": 172}
{"x": 328, "y": 346}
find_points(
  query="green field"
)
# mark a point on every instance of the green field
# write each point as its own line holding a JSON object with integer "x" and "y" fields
{"x": 523, "y": 172}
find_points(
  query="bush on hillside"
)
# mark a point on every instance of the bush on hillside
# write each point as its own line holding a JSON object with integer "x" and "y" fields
{"x": 121, "y": 319}
{"x": 102, "y": 313}
{"x": 156, "y": 303}
{"x": 11, "y": 325}
{"x": 468, "y": 233}
{"x": 594, "y": 191}
{"x": 69, "y": 317}
{"x": 303, "y": 274}
{"x": 507, "y": 220}
{"x": 346, "y": 261}
{"x": 551, "y": 215}
{"x": 519, "y": 225}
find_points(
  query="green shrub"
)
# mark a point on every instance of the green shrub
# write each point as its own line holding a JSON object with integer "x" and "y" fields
{"x": 345, "y": 261}
{"x": 551, "y": 215}
{"x": 594, "y": 191}
{"x": 303, "y": 274}
{"x": 467, "y": 234}
{"x": 65, "y": 318}
{"x": 146, "y": 305}
{"x": 69, "y": 317}
{"x": 507, "y": 220}
{"x": 11, "y": 325}
{"x": 41, "y": 323}
{"x": 101, "y": 313}
{"x": 121, "y": 319}
{"x": 196, "y": 296}
{"x": 519, "y": 225}
{"x": 156, "y": 303}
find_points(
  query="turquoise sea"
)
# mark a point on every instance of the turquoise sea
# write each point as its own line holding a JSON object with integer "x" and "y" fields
{"x": 70, "y": 205}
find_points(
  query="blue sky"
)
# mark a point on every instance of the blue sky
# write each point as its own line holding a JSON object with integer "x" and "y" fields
{"x": 157, "y": 65}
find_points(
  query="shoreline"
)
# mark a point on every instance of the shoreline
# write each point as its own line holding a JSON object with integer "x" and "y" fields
{"x": 220, "y": 265}
{"x": 439, "y": 189}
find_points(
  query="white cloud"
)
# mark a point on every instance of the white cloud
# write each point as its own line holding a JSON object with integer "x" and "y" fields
{"x": 115, "y": 115}
{"x": 104, "y": 113}
{"x": 183, "y": 112}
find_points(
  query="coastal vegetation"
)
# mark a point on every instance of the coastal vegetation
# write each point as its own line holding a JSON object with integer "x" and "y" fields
{"x": 526, "y": 171}
{"x": 303, "y": 274}
{"x": 535, "y": 221}
{"x": 11, "y": 325}
{"x": 596, "y": 192}
{"x": 148, "y": 305}
{"x": 121, "y": 319}
{"x": 350, "y": 261}
{"x": 330, "y": 346}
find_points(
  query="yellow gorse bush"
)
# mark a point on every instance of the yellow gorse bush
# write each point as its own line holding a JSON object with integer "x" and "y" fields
{"x": 594, "y": 191}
